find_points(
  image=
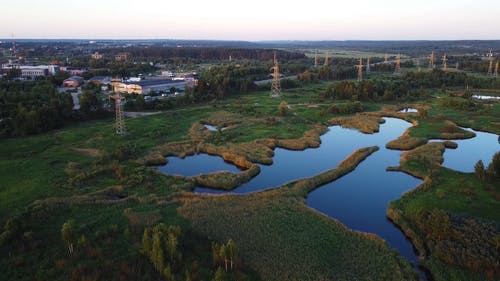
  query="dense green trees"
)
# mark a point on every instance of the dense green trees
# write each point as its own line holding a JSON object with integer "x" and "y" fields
{"x": 479, "y": 170}
{"x": 35, "y": 107}
{"x": 161, "y": 245}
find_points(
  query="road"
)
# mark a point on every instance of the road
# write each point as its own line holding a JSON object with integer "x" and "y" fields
{"x": 76, "y": 101}
{"x": 260, "y": 82}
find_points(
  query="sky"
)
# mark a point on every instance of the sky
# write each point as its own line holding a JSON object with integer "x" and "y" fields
{"x": 253, "y": 20}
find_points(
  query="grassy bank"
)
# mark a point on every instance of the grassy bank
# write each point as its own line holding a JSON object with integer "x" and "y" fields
{"x": 449, "y": 218}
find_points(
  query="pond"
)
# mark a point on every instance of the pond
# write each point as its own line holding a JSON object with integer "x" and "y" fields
{"x": 214, "y": 128}
{"x": 485, "y": 97}
{"x": 408, "y": 110}
{"x": 469, "y": 151}
{"x": 197, "y": 164}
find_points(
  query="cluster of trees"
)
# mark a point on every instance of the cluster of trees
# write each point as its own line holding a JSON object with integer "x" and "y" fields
{"x": 411, "y": 85}
{"x": 221, "y": 82}
{"x": 326, "y": 73}
{"x": 35, "y": 107}
{"x": 461, "y": 241}
{"x": 161, "y": 245}
{"x": 211, "y": 53}
{"x": 492, "y": 173}
{"x": 225, "y": 255}
{"x": 369, "y": 90}
{"x": 32, "y": 107}
{"x": 346, "y": 108}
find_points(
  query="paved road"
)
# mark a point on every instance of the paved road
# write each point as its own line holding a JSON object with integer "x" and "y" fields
{"x": 260, "y": 82}
{"x": 76, "y": 101}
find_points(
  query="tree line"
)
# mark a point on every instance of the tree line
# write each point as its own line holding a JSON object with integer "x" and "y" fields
{"x": 36, "y": 107}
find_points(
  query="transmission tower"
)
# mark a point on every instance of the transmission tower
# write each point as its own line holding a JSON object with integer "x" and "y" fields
{"x": 431, "y": 60}
{"x": 14, "y": 52}
{"x": 397, "y": 68}
{"x": 490, "y": 68}
{"x": 367, "y": 65}
{"x": 326, "y": 59}
{"x": 444, "y": 59}
{"x": 316, "y": 59}
{"x": 417, "y": 62}
{"x": 275, "y": 86}
{"x": 119, "y": 120}
{"x": 496, "y": 69}
{"x": 360, "y": 70}
{"x": 385, "y": 58}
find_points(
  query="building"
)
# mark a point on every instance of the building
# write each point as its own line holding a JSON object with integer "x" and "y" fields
{"x": 97, "y": 56}
{"x": 122, "y": 57}
{"x": 167, "y": 73}
{"x": 147, "y": 86}
{"x": 100, "y": 80}
{"x": 73, "y": 81}
{"x": 31, "y": 72}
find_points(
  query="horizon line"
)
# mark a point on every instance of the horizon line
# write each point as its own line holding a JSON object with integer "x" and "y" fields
{"x": 242, "y": 40}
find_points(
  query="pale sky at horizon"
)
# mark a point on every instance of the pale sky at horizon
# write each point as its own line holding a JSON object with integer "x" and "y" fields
{"x": 252, "y": 20}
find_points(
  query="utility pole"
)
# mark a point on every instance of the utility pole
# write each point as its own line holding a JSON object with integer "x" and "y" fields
{"x": 397, "y": 68}
{"x": 360, "y": 70}
{"x": 431, "y": 60}
{"x": 316, "y": 59}
{"x": 275, "y": 86}
{"x": 119, "y": 119}
{"x": 444, "y": 59}
{"x": 490, "y": 68}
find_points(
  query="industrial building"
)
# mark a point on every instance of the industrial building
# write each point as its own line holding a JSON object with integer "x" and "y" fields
{"x": 32, "y": 71}
{"x": 147, "y": 86}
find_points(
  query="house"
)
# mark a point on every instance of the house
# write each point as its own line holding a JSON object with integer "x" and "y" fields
{"x": 121, "y": 57}
{"x": 97, "y": 56}
{"x": 73, "y": 81}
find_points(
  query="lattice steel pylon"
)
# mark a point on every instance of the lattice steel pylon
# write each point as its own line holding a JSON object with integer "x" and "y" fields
{"x": 397, "y": 68}
{"x": 326, "y": 63}
{"x": 490, "y": 68}
{"x": 417, "y": 62}
{"x": 276, "y": 86}
{"x": 119, "y": 119}
{"x": 444, "y": 59}
{"x": 367, "y": 65}
{"x": 431, "y": 60}
{"x": 496, "y": 69}
{"x": 316, "y": 59}
{"x": 360, "y": 70}
{"x": 385, "y": 58}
